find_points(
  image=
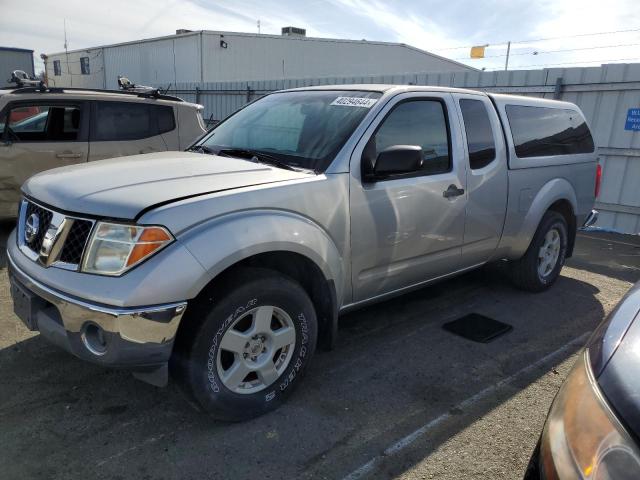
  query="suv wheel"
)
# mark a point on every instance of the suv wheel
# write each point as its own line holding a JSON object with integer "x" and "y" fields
{"x": 252, "y": 346}
{"x": 540, "y": 266}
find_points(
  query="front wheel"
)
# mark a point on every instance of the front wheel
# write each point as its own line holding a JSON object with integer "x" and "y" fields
{"x": 540, "y": 266}
{"x": 253, "y": 345}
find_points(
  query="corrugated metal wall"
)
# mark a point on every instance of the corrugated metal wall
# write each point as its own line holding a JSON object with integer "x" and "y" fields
{"x": 605, "y": 94}
{"x": 11, "y": 60}
{"x": 160, "y": 62}
{"x": 258, "y": 57}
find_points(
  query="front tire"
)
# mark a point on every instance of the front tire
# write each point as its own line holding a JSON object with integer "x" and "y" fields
{"x": 540, "y": 266}
{"x": 252, "y": 346}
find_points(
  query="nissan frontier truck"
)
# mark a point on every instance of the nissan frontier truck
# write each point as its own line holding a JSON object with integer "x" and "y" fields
{"x": 227, "y": 265}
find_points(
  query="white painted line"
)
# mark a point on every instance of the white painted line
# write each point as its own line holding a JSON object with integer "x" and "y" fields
{"x": 405, "y": 442}
{"x": 618, "y": 242}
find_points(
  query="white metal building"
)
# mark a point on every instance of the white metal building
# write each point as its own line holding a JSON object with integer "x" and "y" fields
{"x": 14, "y": 59}
{"x": 211, "y": 56}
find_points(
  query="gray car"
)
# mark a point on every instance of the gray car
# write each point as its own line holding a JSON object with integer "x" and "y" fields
{"x": 228, "y": 264}
{"x": 593, "y": 425}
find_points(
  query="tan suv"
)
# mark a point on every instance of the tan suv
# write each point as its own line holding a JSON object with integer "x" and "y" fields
{"x": 42, "y": 129}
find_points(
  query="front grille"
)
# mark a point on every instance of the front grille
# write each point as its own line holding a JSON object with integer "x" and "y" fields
{"x": 44, "y": 217}
{"x": 73, "y": 231}
{"x": 76, "y": 241}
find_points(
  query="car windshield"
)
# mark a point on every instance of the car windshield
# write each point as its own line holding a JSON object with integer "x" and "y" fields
{"x": 303, "y": 129}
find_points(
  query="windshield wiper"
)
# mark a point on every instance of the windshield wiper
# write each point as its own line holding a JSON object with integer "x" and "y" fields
{"x": 258, "y": 156}
{"x": 200, "y": 149}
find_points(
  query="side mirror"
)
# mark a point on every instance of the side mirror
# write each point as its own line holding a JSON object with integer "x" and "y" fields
{"x": 397, "y": 159}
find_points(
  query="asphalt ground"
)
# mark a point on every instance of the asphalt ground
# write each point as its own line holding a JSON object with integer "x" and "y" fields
{"x": 399, "y": 397}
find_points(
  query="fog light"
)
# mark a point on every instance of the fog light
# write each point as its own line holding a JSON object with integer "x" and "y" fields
{"x": 94, "y": 339}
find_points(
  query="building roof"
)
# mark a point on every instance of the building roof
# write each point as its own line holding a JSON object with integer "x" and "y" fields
{"x": 12, "y": 49}
{"x": 268, "y": 36}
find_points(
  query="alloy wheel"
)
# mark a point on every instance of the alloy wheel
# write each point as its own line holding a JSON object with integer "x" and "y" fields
{"x": 256, "y": 349}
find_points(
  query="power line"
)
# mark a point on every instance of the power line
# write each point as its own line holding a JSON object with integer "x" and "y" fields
{"x": 546, "y": 39}
{"x": 543, "y": 52}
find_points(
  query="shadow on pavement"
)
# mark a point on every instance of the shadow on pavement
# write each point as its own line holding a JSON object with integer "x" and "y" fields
{"x": 615, "y": 256}
{"x": 394, "y": 369}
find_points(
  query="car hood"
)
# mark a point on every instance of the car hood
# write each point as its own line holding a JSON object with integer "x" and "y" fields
{"x": 124, "y": 187}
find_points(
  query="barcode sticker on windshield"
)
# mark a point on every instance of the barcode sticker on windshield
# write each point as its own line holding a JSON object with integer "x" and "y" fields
{"x": 354, "y": 102}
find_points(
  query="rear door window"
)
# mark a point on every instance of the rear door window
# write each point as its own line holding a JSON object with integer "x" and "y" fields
{"x": 543, "y": 131}
{"x": 121, "y": 121}
{"x": 480, "y": 142}
{"x": 130, "y": 121}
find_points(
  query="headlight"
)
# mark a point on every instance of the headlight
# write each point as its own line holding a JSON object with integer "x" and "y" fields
{"x": 582, "y": 438}
{"x": 115, "y": 248}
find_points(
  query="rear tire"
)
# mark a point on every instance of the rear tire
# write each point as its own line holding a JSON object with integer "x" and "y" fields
{"x": 540, "y": 266}
{"x": 251, "y": 346}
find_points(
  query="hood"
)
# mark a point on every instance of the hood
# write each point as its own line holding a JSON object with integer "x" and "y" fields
{"x": 124, "y": 187}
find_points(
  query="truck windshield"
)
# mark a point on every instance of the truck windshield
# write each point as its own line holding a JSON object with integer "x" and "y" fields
{"x": 304, "y": 129}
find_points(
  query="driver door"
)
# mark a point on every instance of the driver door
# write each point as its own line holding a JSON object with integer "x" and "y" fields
{"x": 405, "y": 230}
{"x": 38, "y": 136}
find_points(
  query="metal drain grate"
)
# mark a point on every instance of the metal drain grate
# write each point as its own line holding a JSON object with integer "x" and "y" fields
{"x": 477, "y": 328}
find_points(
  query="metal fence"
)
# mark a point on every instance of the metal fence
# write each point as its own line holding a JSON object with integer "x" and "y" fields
{"x": 607, "y": 95}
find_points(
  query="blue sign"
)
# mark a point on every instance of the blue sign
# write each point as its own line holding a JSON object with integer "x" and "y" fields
{"x": 633, "y": 120}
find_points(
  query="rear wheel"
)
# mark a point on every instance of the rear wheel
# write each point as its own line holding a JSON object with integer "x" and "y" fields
{"x": 540, "y": 266}
{"x": 252, "y": 345}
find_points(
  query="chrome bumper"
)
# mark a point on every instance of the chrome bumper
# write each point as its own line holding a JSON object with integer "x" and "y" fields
{"x": 140, "y": 338}
{"x": 592, "y": 218}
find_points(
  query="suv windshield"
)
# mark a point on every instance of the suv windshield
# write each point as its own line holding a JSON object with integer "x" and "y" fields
{"x": 304, "y": 129}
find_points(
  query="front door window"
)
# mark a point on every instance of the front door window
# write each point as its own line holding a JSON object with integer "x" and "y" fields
{"x": 42, "y": 123}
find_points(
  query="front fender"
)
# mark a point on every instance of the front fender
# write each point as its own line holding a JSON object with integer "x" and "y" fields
{"x": 224, "y": 241}
{"x": 551, "y": 192}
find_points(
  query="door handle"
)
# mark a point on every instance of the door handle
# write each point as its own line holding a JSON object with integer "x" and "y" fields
{"x": 68, "y": 155}
{"x": 453, "y": 191}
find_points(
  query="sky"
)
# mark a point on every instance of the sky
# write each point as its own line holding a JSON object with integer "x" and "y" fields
{"x": 433, "y": 25}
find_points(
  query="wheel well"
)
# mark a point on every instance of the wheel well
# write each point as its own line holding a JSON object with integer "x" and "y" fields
{"x": 564, "y": 208}
{"x": 306, "y": 273}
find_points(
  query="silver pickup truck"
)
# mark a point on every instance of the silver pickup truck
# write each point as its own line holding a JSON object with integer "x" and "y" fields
{"x": 228, "y": 264}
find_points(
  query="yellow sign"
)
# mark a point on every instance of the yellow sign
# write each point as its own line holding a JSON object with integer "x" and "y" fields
{"x": 478, "y": 52}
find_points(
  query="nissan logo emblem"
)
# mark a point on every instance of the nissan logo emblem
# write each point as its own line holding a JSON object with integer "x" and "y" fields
{"x": 31, "y": 227}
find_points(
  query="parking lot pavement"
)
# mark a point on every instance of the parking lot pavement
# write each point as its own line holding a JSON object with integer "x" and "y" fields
{"x": 398, "y": 397}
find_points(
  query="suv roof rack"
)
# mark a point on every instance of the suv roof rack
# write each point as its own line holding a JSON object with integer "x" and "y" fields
{"x": 23, "y": 79}
{"x": 150, "y": 94}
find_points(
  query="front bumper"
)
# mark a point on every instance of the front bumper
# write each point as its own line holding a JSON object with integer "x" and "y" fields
{"x": 139, "y": 338}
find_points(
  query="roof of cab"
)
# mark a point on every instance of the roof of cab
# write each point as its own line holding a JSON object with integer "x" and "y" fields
{"x": 386, "y": 88}
{"x": 394, "y": 89}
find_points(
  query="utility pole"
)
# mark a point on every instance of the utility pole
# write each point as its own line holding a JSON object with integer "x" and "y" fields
{"x": 258, "y": 26}
{"x": 506, "y": 63}
{"x": 66, "y": 51}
